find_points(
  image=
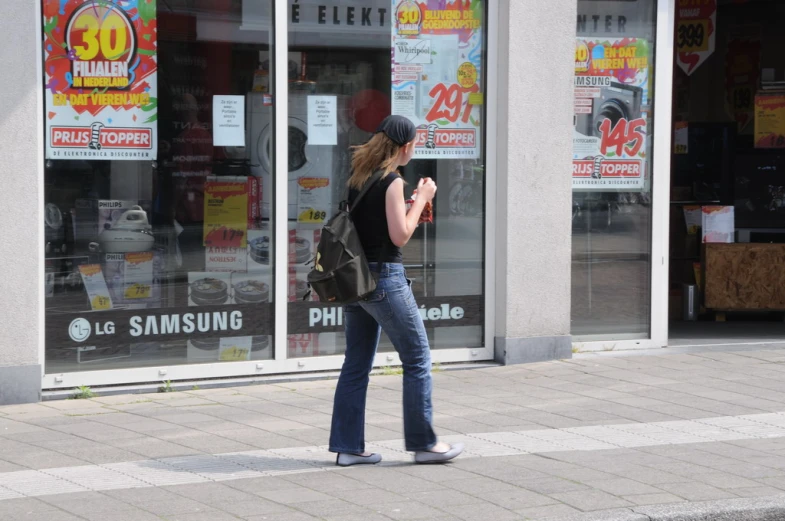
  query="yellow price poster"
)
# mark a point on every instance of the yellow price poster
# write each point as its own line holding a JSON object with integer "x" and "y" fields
{"x": 681, "y": 137}
{"x": 138, "y": 274}
{"x": 696, "y": 30}
{"x": 770, "y": 121}
{"x": 236, "y": 349}
{"x": 95, "y": 285}
{"x": 226, "y": 212}
{"x": 313, "y": 199}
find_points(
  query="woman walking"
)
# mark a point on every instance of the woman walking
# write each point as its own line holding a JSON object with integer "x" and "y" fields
{"x": 384, "y": 227}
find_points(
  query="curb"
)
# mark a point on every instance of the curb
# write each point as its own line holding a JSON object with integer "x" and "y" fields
{"x": 770, "y": 508}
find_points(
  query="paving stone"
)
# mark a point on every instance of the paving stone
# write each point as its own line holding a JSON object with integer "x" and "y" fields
{"x": 756, "y": 491}
{"x": 57, "y": 515}
{"x": 373, "y": 496}
{"x": 552, "y": 486}
{"x": 294, "y": 496}
{"x": 293, "y": 515}
{"x": 479, "y": 486}
{"x": 624, "y": 487}
{"x": 517, "y": 500}
{"x": 442, "y": 498}
{"x": 693, "y": 491}
{"x": 653, "y": 499}
{"x": 481, "y": 512}
{"x": 168, "y": 507}
{"x": 591, "y": 500}
{"x": 212, "y": 515}
{"x": 726, "y": 480}
{"x": 251, "y": 507}
{"x": 24, "y": 506}
{"x": 332, "y": 507}
{"x": 407, "y": 510}
{"x": 256, "y": 486}
{"x": 550, "y": 511}
{"x": 209, "y": 492}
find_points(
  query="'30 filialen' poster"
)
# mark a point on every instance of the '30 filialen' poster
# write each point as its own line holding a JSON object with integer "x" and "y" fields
{"x": 100, "y": 72}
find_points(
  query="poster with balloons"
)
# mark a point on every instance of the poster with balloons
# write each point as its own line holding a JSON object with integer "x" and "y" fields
{"x": 437, "y": 77}
{"x": 100, "y": 65}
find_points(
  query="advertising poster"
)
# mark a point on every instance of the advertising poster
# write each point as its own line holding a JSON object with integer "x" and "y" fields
{"x": 681, "y": 137}
{"x": 100, "y": 79}
{"x": 313, "y": 199}
{"x": 95, "y": 285}
{"x": 235, "y": 349}
{"x": 138, "y": 275}
{"x": 226, "y": 259}
{"x": 611, "y": 125}
{"x": 436, "y": 74}
{"x": 696, "y": 31}
{"x": 742, "y": 71}
{"x": 770, "y": 120}
{"x": 226, "y": 212}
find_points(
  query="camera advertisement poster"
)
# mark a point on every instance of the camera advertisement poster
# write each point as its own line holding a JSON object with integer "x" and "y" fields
{"x": 100, "y": 69}
{"x": 437, "y": 48}
{"x": 611, "y": 126}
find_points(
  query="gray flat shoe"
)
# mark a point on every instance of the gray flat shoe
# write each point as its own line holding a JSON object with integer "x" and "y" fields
{"x": 438, "y": 457}
{"x": 347, "y": 460}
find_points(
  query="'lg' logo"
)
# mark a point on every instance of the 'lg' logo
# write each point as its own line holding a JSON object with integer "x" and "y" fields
{"x": 80, "y": 330}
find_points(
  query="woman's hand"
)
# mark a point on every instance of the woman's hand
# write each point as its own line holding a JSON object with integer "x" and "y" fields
{"x": 400, "y": 223}
{"x": 426, "y": 188}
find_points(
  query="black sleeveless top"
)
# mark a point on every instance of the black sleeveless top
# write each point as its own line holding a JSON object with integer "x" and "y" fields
{"x": 370, "y": 220}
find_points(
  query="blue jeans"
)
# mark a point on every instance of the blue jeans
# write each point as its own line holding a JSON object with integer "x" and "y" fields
{"x": 392, "y": 308}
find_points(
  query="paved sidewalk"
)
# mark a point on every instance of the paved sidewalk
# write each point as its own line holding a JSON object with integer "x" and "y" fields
{"x": 632, "y": 437}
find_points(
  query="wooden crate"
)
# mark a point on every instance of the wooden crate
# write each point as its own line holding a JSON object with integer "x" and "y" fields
{"x": 744, "y": 276}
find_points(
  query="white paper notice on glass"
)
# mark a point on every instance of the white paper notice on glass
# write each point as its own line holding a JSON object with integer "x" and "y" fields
{"x": 229, "y": 121}
{"x": 718, "y": 224}
{"x": 322, "y": 120}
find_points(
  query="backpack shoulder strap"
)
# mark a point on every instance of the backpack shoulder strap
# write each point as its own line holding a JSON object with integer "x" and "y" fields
{"x": 367, "y": 188}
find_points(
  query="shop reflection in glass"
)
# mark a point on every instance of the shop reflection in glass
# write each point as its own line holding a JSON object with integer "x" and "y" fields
{"x": 424, "y": 60}
{"x": 157, "y": 252}
{"x": 612, "y": 169}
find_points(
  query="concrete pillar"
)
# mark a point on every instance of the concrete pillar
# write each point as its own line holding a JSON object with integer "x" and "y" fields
{"x": 21, "y": 207}
{"x": 534, "y": 188}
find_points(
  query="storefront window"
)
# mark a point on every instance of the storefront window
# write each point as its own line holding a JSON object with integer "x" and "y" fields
{"x": 352, "y": 63}
{"x": 158, "y": 250}
{"x": 160, "y": 170}
{"x": 612, "y": 169}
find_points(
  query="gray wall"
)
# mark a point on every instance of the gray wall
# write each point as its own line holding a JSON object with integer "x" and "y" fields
{"x": 21, "y": 211}
{"x": 534, "y": 191}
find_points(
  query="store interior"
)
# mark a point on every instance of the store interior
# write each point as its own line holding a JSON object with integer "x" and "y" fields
{"x": 727, "y": 194}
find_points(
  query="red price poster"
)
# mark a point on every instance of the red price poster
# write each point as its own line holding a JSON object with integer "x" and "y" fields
{"x": 611, "y": 124}
{"x": 696, "y": 30}
{"x": 437, "y": 49}
{"x": 100, "y": 79}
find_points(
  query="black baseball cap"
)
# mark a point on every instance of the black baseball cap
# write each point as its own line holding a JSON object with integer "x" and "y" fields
{"x": 399, "y": 129}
